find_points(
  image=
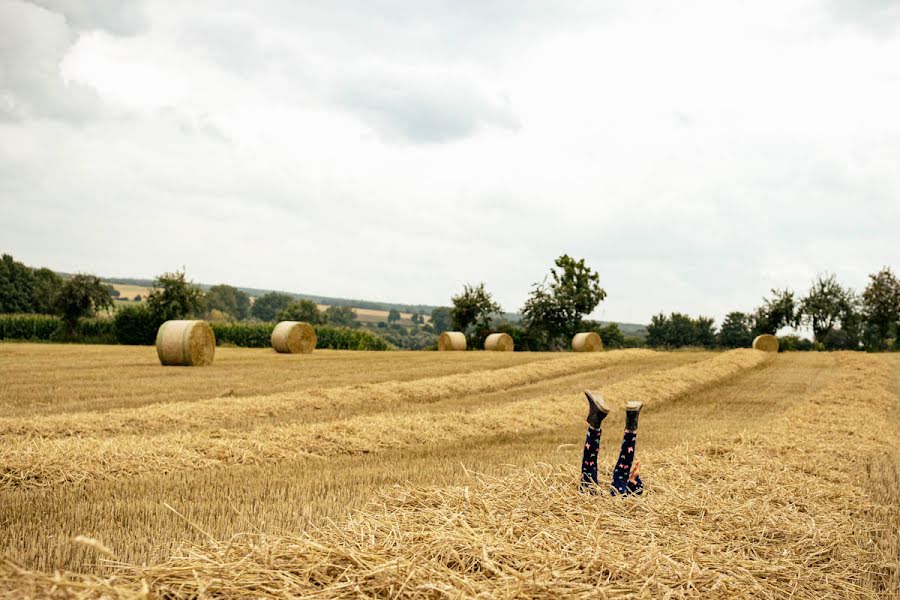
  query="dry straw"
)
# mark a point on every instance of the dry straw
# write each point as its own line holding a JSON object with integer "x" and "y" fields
{"x": 451, "y": 340}
{"x": 499, "y": 342}
{"x": 781, "y": 512}
{"x": 766, "y": 343}
{"x": 294, "y": 337}
{"x": 185, "y": 343}
{"x": 588, "y": 341}
{"x": 79, "y": 458}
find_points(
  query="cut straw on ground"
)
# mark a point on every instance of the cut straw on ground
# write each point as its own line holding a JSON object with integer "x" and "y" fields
{"x": 780, "y": 512}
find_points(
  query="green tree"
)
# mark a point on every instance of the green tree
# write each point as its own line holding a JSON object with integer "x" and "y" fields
{"x": 735, "y": 331}
{"x": 46, "y": 288}
{"x": 440, "y": 319}
{"x": 172, "y": 297}
{"x": 306, "y": 311}
{"x": 266, "y": 307}
{"x": 341, "y": 316}
{"x": 229, "y": 300}
{"x": 779, "y": 311}
{"x": 881, "y": 305}
{"x": 393, "y": 316}
{"x": 555, "y": 311}
{"x": 415, "y": 318}
{"x": 111, "y": 290}
{"x": 16, "y": 286}
{"x": 81, "y": 296}
{"x": 825, "y": 305}
{"x": 679, "y": 330}
{"x": 611, "y": 336}
{"x": 473, "y": 313}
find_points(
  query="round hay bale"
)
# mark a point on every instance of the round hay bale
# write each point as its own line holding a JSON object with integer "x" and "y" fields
{"x": 452, "y": 340}
{"x": 499, "y": 342}
{"x": 294, "y": 337}
{"x": 588, "y": 341}
{"x": 766, "y": 343}
{"x": 185, "y": 343}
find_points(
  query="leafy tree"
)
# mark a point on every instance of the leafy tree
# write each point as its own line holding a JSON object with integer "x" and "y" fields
{"x": 679, "y": 330}
{"x": 393, "y": 316}
{"x": 881, "y": 304}
{"x": 825, "y": 305}
{"x": 81, "y": 296}
{"x": 440, "y": 319}
{"x": 735, "y": 331}
{"x": 306, "y": 311}
{"x": 611, "y": 336}
{"x": 229, "y": 300}
{"x": 776, "y": 312}
{"x": 267, "y": 306}
{"x": 172, "y": 297}
{"x": 46, "y": 288}
{"x": 555, "y": 310}
{"x": 473, "y": 313}
{"x": 111, "y": 290}
{"x": 341, "y": 316}
{"x": 416, "y": 318}
{"x": 16, "y": 286}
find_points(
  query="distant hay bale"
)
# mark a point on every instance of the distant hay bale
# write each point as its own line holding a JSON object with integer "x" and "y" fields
{"x": 294, "y": 337}
{"x": 185, "y": 343}
{"x": 588, "y": 341}
{"x": 766, "y": 343}
{"x": 452, "y": 340}
{"x": 499, "y": 342}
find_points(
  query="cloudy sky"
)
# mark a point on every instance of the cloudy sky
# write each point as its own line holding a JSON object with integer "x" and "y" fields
{"x": 697, "y": 154}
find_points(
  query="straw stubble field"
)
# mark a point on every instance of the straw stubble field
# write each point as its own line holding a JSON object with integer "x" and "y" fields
{"x": 444, "y": 474}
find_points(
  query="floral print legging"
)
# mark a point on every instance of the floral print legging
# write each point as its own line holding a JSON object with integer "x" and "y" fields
{"x": 620, "y": 482}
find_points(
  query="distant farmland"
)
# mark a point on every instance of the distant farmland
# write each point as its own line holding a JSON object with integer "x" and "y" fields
{"x": 128, "y": 291}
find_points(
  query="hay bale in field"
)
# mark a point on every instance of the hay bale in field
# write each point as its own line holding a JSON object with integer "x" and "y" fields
{"x": 587, "y": 341}
{"x": 499, "y": 342}
{"x": 185, "y": 343}
{"x": 451, "y": 340}
{"x": 766, "y": 343}
{"x": 294, "y": 337}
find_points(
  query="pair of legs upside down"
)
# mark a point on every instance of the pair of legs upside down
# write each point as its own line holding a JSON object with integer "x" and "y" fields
{"x": 625, "y": 480}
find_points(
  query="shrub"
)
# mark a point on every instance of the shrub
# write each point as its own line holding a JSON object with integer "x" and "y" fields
{"x": 245, "y": 335}
{"x": 136, "y": 325}
{"x": 259, "y": 335}
{"x": 343, "y": 338}
{"x": 28, "y": 327}
{"x": 96, "y": 330}
{"x": 793, "y": 343}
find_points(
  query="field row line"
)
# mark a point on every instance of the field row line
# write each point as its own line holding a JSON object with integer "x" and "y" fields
{"x": 192, "y": 415}
{"x": 778, "y": 512}
{"x": 32, "y": 462}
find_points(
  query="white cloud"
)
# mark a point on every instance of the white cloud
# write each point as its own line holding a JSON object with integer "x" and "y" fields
{"x": 695, "y": 156}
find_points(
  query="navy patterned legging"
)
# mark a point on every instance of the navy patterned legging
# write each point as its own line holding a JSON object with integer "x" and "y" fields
{"x": 620, "y": 482}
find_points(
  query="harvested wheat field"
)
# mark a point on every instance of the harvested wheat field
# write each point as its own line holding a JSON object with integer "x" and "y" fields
{"x": 453, "y": 474}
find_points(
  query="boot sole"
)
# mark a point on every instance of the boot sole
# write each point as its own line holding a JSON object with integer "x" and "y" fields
{"x": 600, "y": 404}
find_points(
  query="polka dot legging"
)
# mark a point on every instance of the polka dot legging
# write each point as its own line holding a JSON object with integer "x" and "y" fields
{"x": 620, "y": 482}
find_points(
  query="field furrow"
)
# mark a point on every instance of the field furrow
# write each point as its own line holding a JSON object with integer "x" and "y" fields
{"x": 73, "y": 459}
{"x": 785, "y": 507}
{"x": 232, "y": 411}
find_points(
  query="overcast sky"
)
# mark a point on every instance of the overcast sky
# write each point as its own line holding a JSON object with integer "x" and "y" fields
{"x": 697, "y": 154}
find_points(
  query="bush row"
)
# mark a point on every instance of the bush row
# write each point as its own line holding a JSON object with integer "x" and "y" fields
{"x": 48, "y": 328}
{"x": 258, "y": 335}
{"x": 135, "y": 325}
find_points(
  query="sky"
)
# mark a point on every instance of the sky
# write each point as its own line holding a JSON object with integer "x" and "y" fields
{"x": 696, "y": 154}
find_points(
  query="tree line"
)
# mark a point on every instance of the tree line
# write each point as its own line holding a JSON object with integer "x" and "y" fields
{"x": 554, "y": 311}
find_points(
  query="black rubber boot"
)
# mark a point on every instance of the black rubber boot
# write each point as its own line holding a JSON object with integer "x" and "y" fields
{"x": 632, "y": 410}
{"x": 597, "y": 408}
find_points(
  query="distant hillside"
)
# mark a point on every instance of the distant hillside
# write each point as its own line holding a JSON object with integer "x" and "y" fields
{"x": 629, "y": 329}
{"x": 330, "y": 301}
